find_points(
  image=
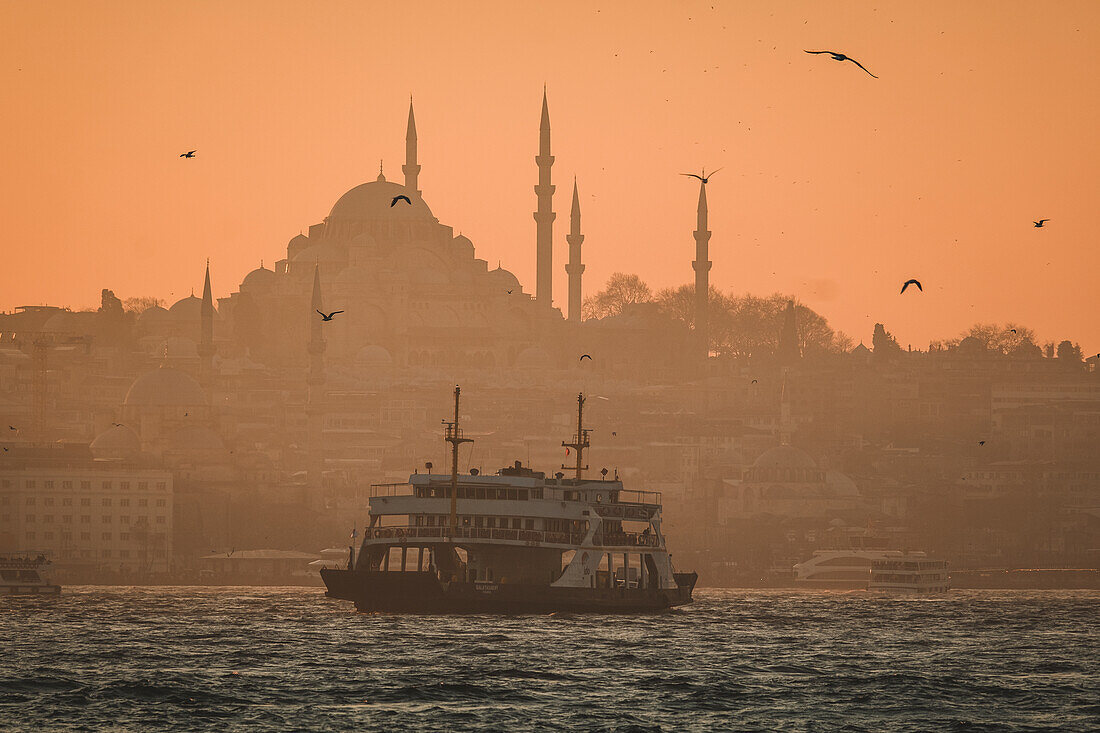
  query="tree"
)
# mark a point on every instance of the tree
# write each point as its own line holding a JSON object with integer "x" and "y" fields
{"x": 999, "y": 339}
{"x": 1069, "y": 352}
{"x": 883, "y": 343}
{"x": 141, "y": 303}
{"x": 110, "y": 306}
{"x": 621, "y": 291}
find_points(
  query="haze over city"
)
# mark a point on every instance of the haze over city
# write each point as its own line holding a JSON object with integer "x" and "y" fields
{"x": 498, "y": 366}
{"x": 836, "y": 187}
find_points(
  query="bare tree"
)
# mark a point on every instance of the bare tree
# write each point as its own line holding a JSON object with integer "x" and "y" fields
{"x": 621, "y": 291}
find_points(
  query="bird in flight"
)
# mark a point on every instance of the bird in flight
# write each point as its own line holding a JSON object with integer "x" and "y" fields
{"x": 702, "y": 175}
{"x": 1013, "y": 330}
{"x": 509, "y": 292}
{"x": 400, "y": 197}
{"x": 841, "y": 57}
{"x": 329, "y": 316}
{"x": 981, "y": 442}
{"x": 912, "y": 282}
{"x": 754, "y": 381}
{"x": 1040, "y": 222}
{"x": 12, "y": 427}
{"x": 188, "y": 154}
{"x": 585, "y": 356}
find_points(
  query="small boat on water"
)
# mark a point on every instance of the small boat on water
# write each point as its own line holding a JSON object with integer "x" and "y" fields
{"x": 514, "y": 542}
{"x": 911, "y": 572}
{"x": 873, "y": 569}
{"x": 26, "y": 574}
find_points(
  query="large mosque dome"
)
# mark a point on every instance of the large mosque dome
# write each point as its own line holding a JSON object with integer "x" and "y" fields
{"x": 165, "y": 386}
{"x": 118, "y": 443}
{"x": 189, "y": 309}
{"x": 372, "y": 201}
{"x": 261, "y": 277}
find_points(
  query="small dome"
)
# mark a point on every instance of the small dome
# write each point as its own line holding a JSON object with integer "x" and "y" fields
{"x": 195, "y": 439}
{"x": 841, "y": 484}
{"x": 373, "y": 356}
{"x": 60, "y": 322}
{"x": 463, "y": 240}
{"x": 152, "y": 315}
{"x": 784, "y": 456}
{"x": 298, "y": 240}
{"x": 165, "y": 386}
{"x": 118, "y": 443}
{"x": 505, "y": 280}
{"x": 373, "y": 201}
{"x": 189, "y": 308}
{"x": 181, "y": 347}
{"x": 321, "y": 253}
{"x": 261, "y": 277}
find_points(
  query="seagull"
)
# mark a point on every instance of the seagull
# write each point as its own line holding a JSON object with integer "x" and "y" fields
{"x": 585, "y": 356}
{"x": 704, "y": 177}
{"x": 754, "y": 381}
{"x": 912, "y": 282}
{"x": 841, "y": 57}
{"x": 510, "y": 292}
{"x": 981, "y": 442}
{"x": 329, "y": 316}
{"x": 1040, "y": 222}
{"x": 399, "y": 197}
{"x": 1013, "y": 330}
{"x": 12, "y": 427}
{"x": 188, "y": 154}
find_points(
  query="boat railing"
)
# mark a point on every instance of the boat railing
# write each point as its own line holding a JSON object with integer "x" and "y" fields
{"x": 633, "y": 496}
{"x": 403, "y": 488}
{"x": 629, "y": 539}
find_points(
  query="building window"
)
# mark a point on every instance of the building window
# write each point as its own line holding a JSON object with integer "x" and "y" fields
{"x": 47, "y": 535}
{"x": 85, "y": 519}
{"x": 85, "y": 502}
{"x": 104, "y": 553}
{"x": 143, "y": 502}
{"x": 30, "y": 536}
{"x": 47, "y": 518}
{"x": 67, "y": 501}
{"x": 85, "y": 485}
{"x": 124, "y": 536}
{"x": 66, "y": 484}
{"x": 106, "y": 485}
{"x": 106, "y": 519}
{"x": 86, "y": 536}
{"x": 125, "y": 519}
{"x": 30, "y": 501}
{"x": 30, "y": 518}
{"x": 124, "y": 553}
{"x": 124, "y": 502}
{"x": 106, "y": 536}
{"x": 47, "y": 484}
{"x": 125, "y": 485}
{"x": 29, "y": 483}
{"x": 161, "y": 485}
{"x": 48, "y": 501}
{"x": 106, "y": 502}
{"x": 67, "y": 519}
{"x": 160, "y": 520}
{"x": 66, "y": 535}
{"x": 161, "y": 502}
{"x": 143, "y": 485}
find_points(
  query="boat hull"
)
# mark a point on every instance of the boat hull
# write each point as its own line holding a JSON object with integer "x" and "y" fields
{"x": 418, "y": 592}
{"x": 30, "y": 590}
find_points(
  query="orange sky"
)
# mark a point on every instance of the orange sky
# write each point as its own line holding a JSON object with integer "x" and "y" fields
{"x": 837, "y": 187}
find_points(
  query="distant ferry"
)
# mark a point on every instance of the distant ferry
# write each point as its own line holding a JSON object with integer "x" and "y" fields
{"x": 911, "y": 572}
{"x": 516, "y": 542}
{"x": 24, "y": 575}
{"x": 856, "y": 568}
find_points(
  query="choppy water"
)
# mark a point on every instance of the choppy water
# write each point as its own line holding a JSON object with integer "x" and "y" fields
{"x": 288, "y": 658}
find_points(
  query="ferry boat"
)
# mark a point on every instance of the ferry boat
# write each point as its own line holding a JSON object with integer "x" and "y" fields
{"x": 24, "y": 574}
{"x": 912, "y": 572}
{"x": 514, "y": 542}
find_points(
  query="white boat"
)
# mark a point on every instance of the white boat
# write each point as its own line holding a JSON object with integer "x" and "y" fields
{"x": 26, "y": 574}
{"x": 912, "y": 572}
{"x": 853, "y": 568}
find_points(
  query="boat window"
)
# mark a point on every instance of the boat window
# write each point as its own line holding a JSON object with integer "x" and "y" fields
{"x": 490, "y": 522}
{"x": 517, "y": 523}
{"x": 479, "y": 492}
{"x": 529, "y": 524}
{"x": 860, "y": 561}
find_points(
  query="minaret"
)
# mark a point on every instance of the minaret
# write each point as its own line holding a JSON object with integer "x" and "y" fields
{"x": 411, "y": 169}
{"x": 701, "y": 265}
{"x": 575, "y": 268}
{"x": 206, "y": 339}
{"x": 314, "y": 408}
{"x": 788, "y": 337}
{"x": 544, "y": 217}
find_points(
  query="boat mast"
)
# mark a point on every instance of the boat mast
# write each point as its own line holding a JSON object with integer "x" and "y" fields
{"x": 580, "y": 440}
{"x": 453, "y": 435}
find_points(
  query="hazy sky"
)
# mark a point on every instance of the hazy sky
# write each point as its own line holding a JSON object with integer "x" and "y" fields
{"x": 836, "y": 187}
